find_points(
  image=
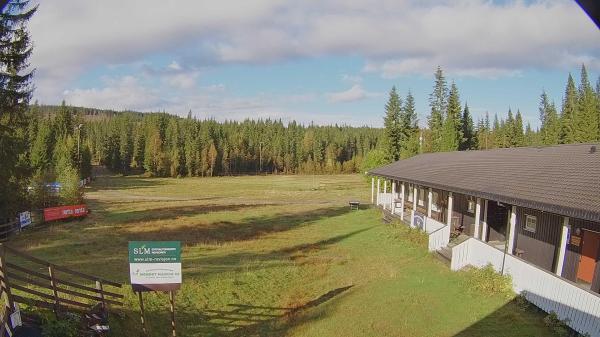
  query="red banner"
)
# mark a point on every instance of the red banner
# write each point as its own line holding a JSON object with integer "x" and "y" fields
{"x": 64, "y": 212}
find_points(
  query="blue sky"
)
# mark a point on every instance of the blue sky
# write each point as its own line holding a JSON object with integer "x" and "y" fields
{"x": 329, "y": 61}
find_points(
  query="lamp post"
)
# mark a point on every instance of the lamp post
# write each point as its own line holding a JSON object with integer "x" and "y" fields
{"x": 78, "y": 140}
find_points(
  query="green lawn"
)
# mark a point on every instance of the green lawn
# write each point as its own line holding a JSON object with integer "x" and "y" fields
{"x": 276, "y": 256}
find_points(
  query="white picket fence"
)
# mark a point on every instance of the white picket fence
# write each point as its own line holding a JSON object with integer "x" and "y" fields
{"x": 579, "y": 307}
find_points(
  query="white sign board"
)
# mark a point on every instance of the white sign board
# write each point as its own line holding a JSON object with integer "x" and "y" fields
{"x": 155, "y": 265}
{"x": 25, "y": 219}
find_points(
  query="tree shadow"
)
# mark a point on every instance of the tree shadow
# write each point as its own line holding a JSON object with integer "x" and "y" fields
{"x": 240, "y": 320}
{"x": 104, "y": 183}
{"x": 164, "y": 213}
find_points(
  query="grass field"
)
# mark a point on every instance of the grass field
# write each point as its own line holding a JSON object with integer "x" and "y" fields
{"x": 277, "y": 256}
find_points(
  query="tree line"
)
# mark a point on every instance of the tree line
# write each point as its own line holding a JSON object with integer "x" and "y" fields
{"x": 450, "y": 125}
{"x": 164, "y": 145}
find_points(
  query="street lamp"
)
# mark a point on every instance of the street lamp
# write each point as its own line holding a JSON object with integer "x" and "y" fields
{"x": 78, "y": 140}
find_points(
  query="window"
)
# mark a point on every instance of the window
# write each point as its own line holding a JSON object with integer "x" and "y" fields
{"x": 421, "y": 197}
{"x": 530, "y": 223}
{"x": 410, "y": 192}
{"x": 434, "y": 202}
{"x": 471, "y": 206}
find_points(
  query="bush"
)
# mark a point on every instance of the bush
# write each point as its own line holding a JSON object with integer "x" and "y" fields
{"x": 64, "y": 327}
{"x": 373, "y": 159}
{"x": 557, "y": 325}
{"x": 487, "y": 280}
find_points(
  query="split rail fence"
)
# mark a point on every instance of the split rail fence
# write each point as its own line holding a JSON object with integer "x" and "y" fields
{"x": 27, "y": 280}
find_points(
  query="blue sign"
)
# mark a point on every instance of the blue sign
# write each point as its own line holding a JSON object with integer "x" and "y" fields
{"x": 419, "y": 221}
{"x": 25, "y": 219}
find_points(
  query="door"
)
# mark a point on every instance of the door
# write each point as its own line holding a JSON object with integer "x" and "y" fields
{"x": 589, "y": 256}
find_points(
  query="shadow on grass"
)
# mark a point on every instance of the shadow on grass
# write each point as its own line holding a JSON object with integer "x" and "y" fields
{"x": 298, "y": 255}
{"x": 105, "y": 183}
{"x": 239, "y": 320}
{"x": 164, "y": 213}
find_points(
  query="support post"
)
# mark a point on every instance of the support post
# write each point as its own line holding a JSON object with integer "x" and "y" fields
{"x": 429, "y": 202}
{"x": 513, "y": 226}
{"x": 449, "y": 214}
{"x": 142, "y": 315}
{"x": 378, "y": 184}
{"x": 477, "y": 216}
{"x": 172, "y": 300}
{"x": 383, "y": 204}
{"x": 414, "y": 207}
{"x": 372, "y": 190}
{"x": 562, "y": 249}
{"x": 484, "y": 229}
{"x": 402, "y": 189}
{"x": 392, "y": 203}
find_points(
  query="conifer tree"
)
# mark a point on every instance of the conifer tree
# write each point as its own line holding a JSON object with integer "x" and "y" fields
{"x": 438, "y": 101}
{"x": 452, "y": 127}
{"x": 42, "y": 147}
{"x": 410, "y": 128}
{"x": 393, "y": 128}
{"x": 550, "y": 127}
{"x": 588, "y": 117}
{"x": 15, "y": 84}
{"x": 568, "y": 115}
{"x": 518, "y": 138}
{"x": 469, "y": 139}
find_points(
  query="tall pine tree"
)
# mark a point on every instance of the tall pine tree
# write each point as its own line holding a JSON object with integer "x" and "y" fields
{"x": 393, "y": 126}
{"x": 438, "y": 101}
{"x": 469, "y": 140}
{"x": 452, "y": 126}
{"x": 588, "y": 117}
{"x": 568, "y": 114}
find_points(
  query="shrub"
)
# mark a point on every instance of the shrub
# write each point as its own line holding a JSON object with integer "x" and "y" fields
{"x": 557, "y": 325}
{"x": 70, "y": 192}
{"x": 67, "y": 326}
{"x": 487, "y": 280}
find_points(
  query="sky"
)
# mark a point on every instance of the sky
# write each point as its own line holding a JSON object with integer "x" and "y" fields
{"x": 321, "y": 61}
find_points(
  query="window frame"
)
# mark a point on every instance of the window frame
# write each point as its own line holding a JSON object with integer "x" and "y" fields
{"x": 526, "y": 224}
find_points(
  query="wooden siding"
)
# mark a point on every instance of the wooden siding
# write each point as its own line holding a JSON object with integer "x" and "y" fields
{"x": 539, "y": 247}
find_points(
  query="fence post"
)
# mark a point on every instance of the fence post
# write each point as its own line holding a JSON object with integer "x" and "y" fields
{"x": 142, "y": 315}
{"x": 54, "y": 291}
{"x": 5, "y": 285}
{"x": 100, "y": 289}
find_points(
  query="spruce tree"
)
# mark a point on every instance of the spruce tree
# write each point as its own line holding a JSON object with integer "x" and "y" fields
{"x": 568, "y": 114}
{"x": 588, "y": 117}
{"x": 452, "y": 126}
{"x": 438, "y": 101}
{"x": 42, "y": 147}
{"x": 393, "y": 128}
{"x": 550, "y": 124}
{"x": 469, "y": 139}
{"x": 15, "y": 84}
{"x": 410, "y": 128}
{"x": 518, "y": 136}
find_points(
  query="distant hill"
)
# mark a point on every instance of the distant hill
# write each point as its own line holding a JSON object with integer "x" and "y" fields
{"x": 88, "y": 114}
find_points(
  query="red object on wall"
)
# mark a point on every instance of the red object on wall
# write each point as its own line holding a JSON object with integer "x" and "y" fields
{"x": 65, "y": 212}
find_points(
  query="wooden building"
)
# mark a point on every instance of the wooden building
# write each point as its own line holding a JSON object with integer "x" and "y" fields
{"x": 538, "y": 205}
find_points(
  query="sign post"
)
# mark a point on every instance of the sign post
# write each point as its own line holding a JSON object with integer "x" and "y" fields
{"x": 155, "y": 266}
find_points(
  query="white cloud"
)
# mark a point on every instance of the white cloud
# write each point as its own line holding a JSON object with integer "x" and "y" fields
{"x": 355, "y": 93}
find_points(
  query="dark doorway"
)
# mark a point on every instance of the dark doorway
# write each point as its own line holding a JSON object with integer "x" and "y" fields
{"x": 497, "y": 219}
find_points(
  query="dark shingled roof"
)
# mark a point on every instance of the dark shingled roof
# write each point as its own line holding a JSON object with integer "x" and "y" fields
{"x": 562, "y": 179}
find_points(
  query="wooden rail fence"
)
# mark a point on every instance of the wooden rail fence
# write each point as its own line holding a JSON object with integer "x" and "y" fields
{"x": 28, "y": 280}
{"x": 7, "y": 229}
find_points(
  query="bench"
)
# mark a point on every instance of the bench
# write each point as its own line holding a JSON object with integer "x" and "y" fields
{"x": 354, "y": 205}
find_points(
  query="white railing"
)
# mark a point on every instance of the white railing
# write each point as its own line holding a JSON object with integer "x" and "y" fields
{"x": 439, "y": 238}
{"x": 385, "y": 199}
{"x": 432, "y": 225}
{"x": 579, "y": 307}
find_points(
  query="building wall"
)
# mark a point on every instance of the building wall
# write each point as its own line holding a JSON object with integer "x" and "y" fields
{"x": 572, "y": 255}
{"x": 539, "y": 247}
